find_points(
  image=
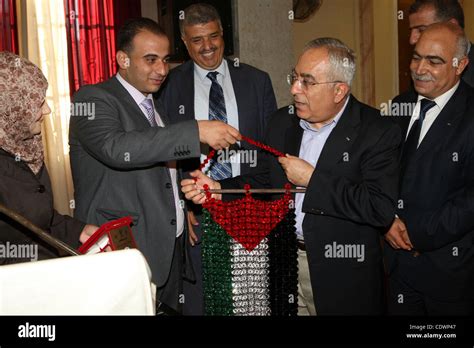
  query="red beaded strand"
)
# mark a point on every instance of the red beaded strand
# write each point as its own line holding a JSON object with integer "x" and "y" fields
{"x": 263, "y": 146}
{"x": 248, "y": 140}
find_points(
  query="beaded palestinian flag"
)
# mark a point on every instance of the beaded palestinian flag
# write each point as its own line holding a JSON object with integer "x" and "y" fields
{"x": 249, "y": 256}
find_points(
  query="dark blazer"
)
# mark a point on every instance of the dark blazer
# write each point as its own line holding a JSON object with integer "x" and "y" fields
{"x": 437, "y": 203}
{"x": 350, "y": 200}
{"x": 30, "y": 195}
{"x": 118, "y": 170}
{"x": 253, "y": 93}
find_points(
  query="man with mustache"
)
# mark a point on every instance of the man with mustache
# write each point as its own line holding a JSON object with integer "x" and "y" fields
{"x": 429, "y": 247}
{"x": 346, "y": 156}
{"x": 211, "y": 87}
{"x": 423, "y": 13}
{"x": 123, "y": 157}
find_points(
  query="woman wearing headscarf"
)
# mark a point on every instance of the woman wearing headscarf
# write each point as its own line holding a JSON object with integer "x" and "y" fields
{"x": 25, "y": 186}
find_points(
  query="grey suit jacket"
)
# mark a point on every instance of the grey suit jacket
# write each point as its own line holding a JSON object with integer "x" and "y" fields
{"x": 118, "y": 170}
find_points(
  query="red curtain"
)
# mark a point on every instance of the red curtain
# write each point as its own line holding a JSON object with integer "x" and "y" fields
{"x": 8, "y": 27}
{"x": 91, "y": 29}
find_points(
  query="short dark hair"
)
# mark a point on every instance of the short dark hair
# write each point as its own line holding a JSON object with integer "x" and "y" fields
{"x": 200, "y": 13}
{"x": 134, "y": 26}
{"x": 445, "y": 9}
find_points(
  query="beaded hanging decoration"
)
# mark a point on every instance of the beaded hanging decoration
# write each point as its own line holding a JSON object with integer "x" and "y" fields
{"x": 249, "y": 253}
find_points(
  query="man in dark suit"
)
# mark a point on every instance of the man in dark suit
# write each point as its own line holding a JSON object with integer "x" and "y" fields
{"x": 188, "y": 94}
{"x": 423, "y": 13}
{"x": 123, "y": 154}
{"x": 346, "y": 156}
{"x": 430, "y": 249}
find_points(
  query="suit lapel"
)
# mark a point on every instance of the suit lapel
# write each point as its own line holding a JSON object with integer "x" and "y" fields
{"x": 241, "y": 98}
{"x": 293, "y": 136}
{"x": 341, "y": 137}
{"x": 161, "y": 112}
{"x": 123, "y": 95}
{"x": 443, "y": 124}
{"x": 402, "y": 118}
{"x": 404, "y": 123}
{"x": 186, "y": 91}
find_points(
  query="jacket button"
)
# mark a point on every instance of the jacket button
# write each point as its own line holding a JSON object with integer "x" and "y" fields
{"x": 168, "y": 185}
{"x": 173, "y": 222}
{"x": 41, "y": 189}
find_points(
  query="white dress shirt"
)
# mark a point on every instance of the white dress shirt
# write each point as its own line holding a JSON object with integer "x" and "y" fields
{"x": 312, "y": 145}
{"x": 431, "y": 114}
{"x": 202, "y": 88}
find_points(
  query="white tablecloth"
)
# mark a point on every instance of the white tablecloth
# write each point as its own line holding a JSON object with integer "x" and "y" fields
{"x": 113, "y": 283}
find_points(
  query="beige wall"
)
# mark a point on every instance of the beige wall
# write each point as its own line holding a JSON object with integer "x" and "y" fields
{"x": 150, "y": 9}
{"x": 340, "y": 19}
{"x": 468, "y": 6}
{"x": 386, "y": 50}
{"x": 335, "y": 18}
{"x": 264, "y": 37}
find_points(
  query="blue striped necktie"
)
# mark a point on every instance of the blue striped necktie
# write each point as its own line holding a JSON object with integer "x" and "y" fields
{"x": 217, "y": 111}
{"x": 150, "y": 111}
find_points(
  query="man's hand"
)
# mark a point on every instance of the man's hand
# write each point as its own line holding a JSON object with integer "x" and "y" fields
{"x": 192, "y": 190}
{"x": 397, "y": 236}
{"x": 217, "y": 134}
{"x": 87, "y": 231}
{"x": 192, "y": 221}
{"x": 297, "y": 170}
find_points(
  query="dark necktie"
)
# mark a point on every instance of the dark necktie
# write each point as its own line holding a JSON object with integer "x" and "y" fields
{"x": 411, "y": 144}
{"x": 217, "y": 111}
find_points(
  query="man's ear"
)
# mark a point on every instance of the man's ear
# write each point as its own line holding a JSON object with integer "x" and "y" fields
{"x": 123, "y": 60}
{"x": 340, "y": 92}
{"x": 460, "y": 64}
{"x": 454, "y": 21}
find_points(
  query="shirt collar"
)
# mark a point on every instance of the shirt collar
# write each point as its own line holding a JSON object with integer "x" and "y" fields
{"x": 443, "y": 99}
{"x": 135, "y": 93}
{"x": 307, "y": 126}
{"x": 202, "y": 73}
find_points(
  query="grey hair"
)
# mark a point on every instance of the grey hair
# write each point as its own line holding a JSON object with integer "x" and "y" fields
{"x": 462, "y": 42}
{"x": 462, "y": 46}
{"x": 341, "y": 58}
{"x": 199, "y": 14}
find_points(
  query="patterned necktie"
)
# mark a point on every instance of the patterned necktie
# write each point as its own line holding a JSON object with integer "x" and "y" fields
{"x": 411, "y": 144}
{"x": 150, "y": 111}
{"x": 217, "y": 111}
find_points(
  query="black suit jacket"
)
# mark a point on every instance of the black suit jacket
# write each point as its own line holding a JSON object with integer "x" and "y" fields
{"x": 253, "y": 93}
{"x": 350, "y": 200}
{"x": 437, "y": 203}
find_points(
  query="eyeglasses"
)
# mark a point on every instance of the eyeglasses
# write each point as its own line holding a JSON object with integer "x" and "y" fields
{"x": 304, "y": 83}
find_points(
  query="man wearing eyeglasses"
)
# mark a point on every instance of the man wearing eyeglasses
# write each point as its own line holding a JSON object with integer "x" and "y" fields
{"x": 346, "y": 156}
{"x": 211, "y": 87}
